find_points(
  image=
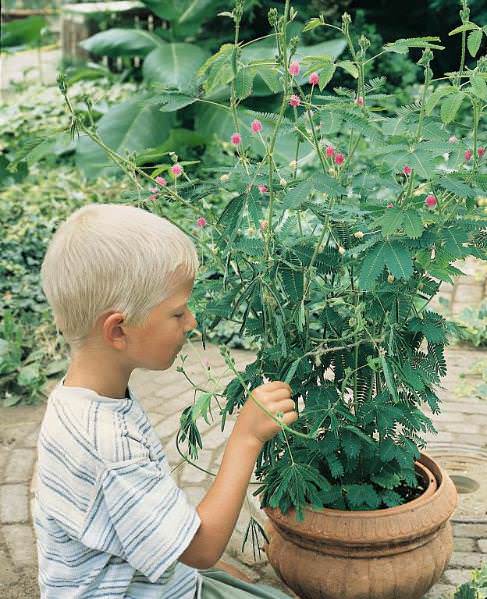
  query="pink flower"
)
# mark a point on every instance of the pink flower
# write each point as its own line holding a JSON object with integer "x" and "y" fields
{"x": 431, "y": 201}
{"x": 453, "y": 139}
{"x": 236, "y": 139}
{"x": 360, "y": 101}
{"x": 339, "y": 158}
{"x": 294, "y": 100}
{"x": 161, "y": 181}
{"x": 407, "y": 170}
{"x": 468, "y": 154}
{"x": 154, "y": 190}
{"x": 390, "y": 205}
{"x": 263, "y": 225}
{"x": 153, "y": 197}
{"x": 294, "y": 68}
{"x": 263, "y": 188}
{"x": 330, "y": 151}
{"x": 201, "y": 222}
{"x": 176, "y": 170}
{"x": 256, "y": 126}
{"x": 481, "y": 151}
{"x": 314, "y": 79}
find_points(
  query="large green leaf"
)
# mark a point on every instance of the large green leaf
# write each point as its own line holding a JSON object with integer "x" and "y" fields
{"x": 392, "y": 254}
{"x": 134, "y": 125}
{"x": 450, "y": 106}
{"x": 22, "y": 31}
{"x": 180, "y": 12}
{"x": 122, "y": 42}
{"x": 175, "y": 65}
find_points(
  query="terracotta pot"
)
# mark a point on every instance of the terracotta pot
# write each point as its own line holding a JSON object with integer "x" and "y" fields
{"x": 394, "y": 553}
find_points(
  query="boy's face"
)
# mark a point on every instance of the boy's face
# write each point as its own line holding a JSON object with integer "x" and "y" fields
{"x": 156, "y": 345}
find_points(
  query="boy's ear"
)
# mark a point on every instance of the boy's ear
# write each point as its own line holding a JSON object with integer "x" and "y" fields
{"x": 113, "y": 331}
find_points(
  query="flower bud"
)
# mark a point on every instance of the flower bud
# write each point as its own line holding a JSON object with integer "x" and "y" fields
{"x": 358, "y": 234}
{"x": 314, "y": 79}
{"x": 294, "y": 101}
{"x": 225, "y": 177}
{"x": 390, "y": 278}
{"x": 341, "y": 250}
{"x": 294, "y": 68}
{"x": 282, "y": 182}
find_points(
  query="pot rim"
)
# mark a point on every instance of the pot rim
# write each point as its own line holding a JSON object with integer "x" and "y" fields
{"x": 429, "y": 494}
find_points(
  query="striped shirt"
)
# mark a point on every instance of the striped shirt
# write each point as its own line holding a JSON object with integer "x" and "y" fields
{"x": 109, "y": 519}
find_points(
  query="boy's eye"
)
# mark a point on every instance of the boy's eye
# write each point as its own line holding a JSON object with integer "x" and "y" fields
{"x": 179, "y": 315}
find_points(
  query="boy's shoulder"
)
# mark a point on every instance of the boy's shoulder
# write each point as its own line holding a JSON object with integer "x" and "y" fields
{"x": 82, "y": 422}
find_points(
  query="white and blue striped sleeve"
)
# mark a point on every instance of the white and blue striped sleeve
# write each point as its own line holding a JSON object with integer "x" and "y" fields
{"x": 139, "y": 513}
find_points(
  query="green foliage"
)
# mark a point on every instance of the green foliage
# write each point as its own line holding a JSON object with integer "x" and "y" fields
{"x": 22, "y": 32}
{"x": 329, "y": 268}
{"x": 475, "y": 588}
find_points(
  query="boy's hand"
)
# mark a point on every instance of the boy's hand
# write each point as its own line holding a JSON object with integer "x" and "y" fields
{"x": 254, "y": 423}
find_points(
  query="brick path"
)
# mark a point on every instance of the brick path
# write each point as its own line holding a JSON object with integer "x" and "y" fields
{"x": 462, "y": 424}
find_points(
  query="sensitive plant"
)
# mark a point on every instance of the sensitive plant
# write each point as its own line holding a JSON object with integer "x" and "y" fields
{"x": 331, "y": 260}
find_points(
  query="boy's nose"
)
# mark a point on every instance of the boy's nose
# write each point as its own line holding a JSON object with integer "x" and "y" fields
{"x": 194, "y": 323}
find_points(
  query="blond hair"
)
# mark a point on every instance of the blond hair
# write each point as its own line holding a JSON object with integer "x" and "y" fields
{"x": 112, "y": 257}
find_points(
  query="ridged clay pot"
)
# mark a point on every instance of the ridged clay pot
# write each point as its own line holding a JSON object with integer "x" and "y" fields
{"x": 393, "y": 553}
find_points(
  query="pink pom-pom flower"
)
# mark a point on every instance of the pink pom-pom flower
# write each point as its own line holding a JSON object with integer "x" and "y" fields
{"x": 360, "y": 101}
{"x": 390, "y": 205}
{"x": 256, "y": 126}
{"x": 176, "y": 170}
{"x": 452, "y": 139}
{"x": 201, "y": 222}
{"x": 480, "y": 151}
{"x": 407, "y": 170}
{"x": 330, "y": 151}
{"x": 262, "y": 188}
{"x": 236, "y": 139}
{"x": 161, "y": 181}
{"x": 294, "y": 100}
{"x": 339, "y": 158}
{"x": 294, "y": 68}
{"x": 468, "y": 154}
{"x": 431, "y": 201}
{"x": 314, "y": 79}
{"x": 153, "y": 197}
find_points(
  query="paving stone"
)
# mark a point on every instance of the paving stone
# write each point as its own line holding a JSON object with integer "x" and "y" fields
{"x": 440, "y": 591}
{"x": 473, "y": 531}
{"x": 464, "y": 559}
{"x": 4, "y": 452}
{"x": 462, "y": 427}
{"x": 457, "y": 577}
{"x": 21, "y": 544}
{"x": 31, "y": 439}
{"x": 216, "y": 438}
{"x": 482, "y": 545}
{"x": 191, "y": 475}
{"x": 464, "y": 544}
{"x": 8, "y": 574}
{"x": 194, "y": 494}
{"x": 19, "y": 466}
{"x": 469, "y": 293}
{"x": 168, "y": 425}
{"x": 13, "y": 504}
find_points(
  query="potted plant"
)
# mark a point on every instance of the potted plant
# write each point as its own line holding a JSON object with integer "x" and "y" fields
{"x": 329, "y": 263}
{"x": 334, "y": 267}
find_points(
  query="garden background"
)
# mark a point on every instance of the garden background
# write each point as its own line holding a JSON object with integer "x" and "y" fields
{"x": 45, "y": 175}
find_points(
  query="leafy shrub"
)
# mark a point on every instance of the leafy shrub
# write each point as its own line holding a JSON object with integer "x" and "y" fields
{"x": 335, "y": 255}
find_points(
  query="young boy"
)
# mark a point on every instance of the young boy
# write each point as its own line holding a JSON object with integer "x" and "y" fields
{"x": 109, "y": 519}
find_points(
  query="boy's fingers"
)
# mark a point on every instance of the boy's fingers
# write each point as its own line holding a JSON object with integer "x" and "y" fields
{"x": 289, "y": 417}
{"x": 285, "y": 405}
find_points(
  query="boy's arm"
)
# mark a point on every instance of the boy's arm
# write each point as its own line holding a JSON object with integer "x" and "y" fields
{"x": 219, "y": 509}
